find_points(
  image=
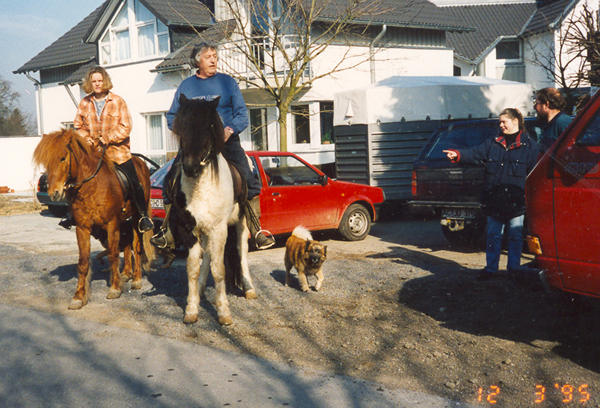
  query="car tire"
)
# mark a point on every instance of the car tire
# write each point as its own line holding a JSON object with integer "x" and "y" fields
{"x": 58, "y": 210}
{"x": 471, "y": 237}
{"x": 356, "y": 223}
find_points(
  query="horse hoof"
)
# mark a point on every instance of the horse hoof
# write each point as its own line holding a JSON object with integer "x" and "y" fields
{"x": 136, "y": 285}
{"x": 113, "y": 294}
{"x": 190, "y": 318}
{"x": 251, "y": 294}
{"x": 225, "y": 320}
{"x": 76, "y": 304}
{"x": 126, "y": 277}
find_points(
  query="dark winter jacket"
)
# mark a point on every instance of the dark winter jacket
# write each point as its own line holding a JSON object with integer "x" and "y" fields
{"x": 506, "y": 168}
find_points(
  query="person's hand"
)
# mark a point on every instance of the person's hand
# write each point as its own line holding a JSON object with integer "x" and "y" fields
{"x": 228, "y": 132}
{"x": 451, "y": 154}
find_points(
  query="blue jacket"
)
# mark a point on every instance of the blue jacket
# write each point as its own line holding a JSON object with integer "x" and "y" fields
{"x": 232, "y": 107}
{"x": 553, "y": 129}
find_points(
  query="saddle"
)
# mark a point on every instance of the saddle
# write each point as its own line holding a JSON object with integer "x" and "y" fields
{"x": 123, "y": 182}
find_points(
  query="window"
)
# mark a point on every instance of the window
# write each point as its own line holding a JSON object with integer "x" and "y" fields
{"x": 457, "y": 71}
{"x": 67, "y": 125}
{"x": 258, "y": 128}
{"x": 137, "y": 37}
{"x": 591, "y": 135}
{"x": 288, "y": 171}
{"x": 301, "y": 124}
{"x": 508, "y": 50}
{"x": 326, "y": 116}
{"x": 159, "y": 140}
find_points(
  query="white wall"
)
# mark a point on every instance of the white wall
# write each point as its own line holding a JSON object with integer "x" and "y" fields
{"x": 16, "y": 168}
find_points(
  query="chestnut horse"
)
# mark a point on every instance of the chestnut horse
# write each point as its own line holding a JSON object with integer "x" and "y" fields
{"x": 80, "y": 173}
{"x": 206, "y": 206}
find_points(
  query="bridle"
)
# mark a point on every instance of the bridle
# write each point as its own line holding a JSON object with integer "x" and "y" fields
{"x": 69, "y": 184}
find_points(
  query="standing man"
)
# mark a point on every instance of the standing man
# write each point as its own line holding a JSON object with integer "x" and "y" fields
{"x": 208, "y": 84}
{"x": 548, "y": 105}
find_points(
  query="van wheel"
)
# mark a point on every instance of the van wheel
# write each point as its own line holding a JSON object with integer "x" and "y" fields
{"x": 471, "y": 237}
{"x": 356, "y": 223}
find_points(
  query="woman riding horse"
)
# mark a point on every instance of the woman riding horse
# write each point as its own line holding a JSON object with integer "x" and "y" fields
{"x": 103, "y": 119}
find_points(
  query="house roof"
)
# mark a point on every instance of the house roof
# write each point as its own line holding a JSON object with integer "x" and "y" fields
{"x": 402, "y": 13}
{"x": 491, "y": 23}
{"x": 69, "y": 49}
{"x": 547, "y": 15}
{"x": 181, "y": 56}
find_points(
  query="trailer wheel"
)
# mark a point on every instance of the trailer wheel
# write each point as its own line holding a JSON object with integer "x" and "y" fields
{"x": 356, "y": 223}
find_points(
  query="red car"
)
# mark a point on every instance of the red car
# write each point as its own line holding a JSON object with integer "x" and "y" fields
{"x": 297, "y": 193}
{"x": 563, "y": 192}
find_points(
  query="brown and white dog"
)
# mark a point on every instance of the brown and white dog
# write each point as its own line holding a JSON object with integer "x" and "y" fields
{"x": 306, "y": 255}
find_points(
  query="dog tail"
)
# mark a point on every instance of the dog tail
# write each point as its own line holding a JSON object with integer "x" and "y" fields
{"x": 302, "y": 233}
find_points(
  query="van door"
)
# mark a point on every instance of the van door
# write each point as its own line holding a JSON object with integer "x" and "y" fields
{"x": 576, "y": 188}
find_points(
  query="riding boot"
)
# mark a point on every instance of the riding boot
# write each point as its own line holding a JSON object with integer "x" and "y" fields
{"x": 139, "y": 200}
{"x": 68, "y": 221}
{"x": 252, "y": 213}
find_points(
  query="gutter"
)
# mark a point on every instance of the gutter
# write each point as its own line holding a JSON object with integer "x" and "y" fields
{"x": 38, "y": 105}
{"x": 372, "y": 52}
{"x": 71, "y": 95}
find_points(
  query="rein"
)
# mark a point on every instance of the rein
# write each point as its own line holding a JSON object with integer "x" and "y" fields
{"x": 85, "y": 180}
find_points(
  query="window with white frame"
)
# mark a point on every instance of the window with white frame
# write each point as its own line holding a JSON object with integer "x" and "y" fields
{"x": 326, "y": 119}
{"x": 258, "y": 128}
{"x": 160, "y": 141}
{"x": 509, "y": 50}
{"x": 134, "y": 33}
{"x": 301, "y": 123}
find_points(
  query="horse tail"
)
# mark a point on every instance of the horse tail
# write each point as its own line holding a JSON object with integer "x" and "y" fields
{"x": 148, "y": 252}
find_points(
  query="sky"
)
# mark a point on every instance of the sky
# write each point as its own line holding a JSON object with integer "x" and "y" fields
{"x": 29, "y": 26}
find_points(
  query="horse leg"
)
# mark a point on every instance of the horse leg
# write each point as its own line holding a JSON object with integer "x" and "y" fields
{"x": 137, "y": 261}
{"x": 204, "y": 266}
{"x": 126, "y": 274}
{"x": 242, "y": 246}
{"x": 216, "y": 249}
{"x": 193, "y": 270}
{"x": 112, "y": 233}
{"x": 82, "y": 291}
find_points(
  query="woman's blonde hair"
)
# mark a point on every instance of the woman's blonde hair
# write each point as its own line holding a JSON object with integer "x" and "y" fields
{"x": 514, "y": 113}
{"x": 87, "y": 80}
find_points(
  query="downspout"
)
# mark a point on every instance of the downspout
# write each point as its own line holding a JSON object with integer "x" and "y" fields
{"x": 38, "y": 104}
{"x": 71, "y": 95}
{"x": 372, "y": 52}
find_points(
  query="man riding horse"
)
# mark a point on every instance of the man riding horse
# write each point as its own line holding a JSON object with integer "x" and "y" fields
{"x": 103, "y": 119}
{"x": 208, "y": 84}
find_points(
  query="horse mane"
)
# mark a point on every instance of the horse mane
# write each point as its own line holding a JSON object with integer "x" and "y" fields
{"x": 198, "y": 122}
{"x": 53, "y": 147}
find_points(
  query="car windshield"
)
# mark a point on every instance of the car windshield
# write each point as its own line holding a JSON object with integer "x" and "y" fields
{"x": 288, "y": 171}
{"x": 460, "y": 137}
{"x": 156, "y": 180}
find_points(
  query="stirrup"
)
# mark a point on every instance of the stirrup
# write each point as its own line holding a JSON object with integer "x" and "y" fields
{"x": 267, "y": 234}
{"x": 139, "y": 225}
{"x": 159, "y": 240}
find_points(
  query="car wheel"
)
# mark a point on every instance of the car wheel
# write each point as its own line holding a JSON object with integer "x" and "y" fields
{"x": 356, "y": 223}
{"x": 471, "y": 237}
{"x": 58, "y": 210}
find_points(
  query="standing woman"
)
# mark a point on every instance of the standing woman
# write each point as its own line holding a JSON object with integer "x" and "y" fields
{"x": 103, "y": 119}
{"x": 508, "y": 158}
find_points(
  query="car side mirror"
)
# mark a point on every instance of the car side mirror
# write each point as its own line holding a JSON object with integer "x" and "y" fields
{"x": 324, "y": 180}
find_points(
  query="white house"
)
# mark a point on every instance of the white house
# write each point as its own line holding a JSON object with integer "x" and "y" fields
{"x": 145, "y": 46}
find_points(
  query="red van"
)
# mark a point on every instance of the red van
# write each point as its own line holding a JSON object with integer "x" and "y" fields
{"x": 563, "y": 206}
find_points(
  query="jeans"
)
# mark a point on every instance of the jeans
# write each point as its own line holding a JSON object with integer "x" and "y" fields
{"x": 495, "y": 230}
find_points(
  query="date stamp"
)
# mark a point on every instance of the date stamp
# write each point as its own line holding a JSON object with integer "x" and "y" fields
{"x": 571, "y": 394}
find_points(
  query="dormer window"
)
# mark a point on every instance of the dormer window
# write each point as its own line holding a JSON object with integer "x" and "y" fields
{"x": 134, "y": 33}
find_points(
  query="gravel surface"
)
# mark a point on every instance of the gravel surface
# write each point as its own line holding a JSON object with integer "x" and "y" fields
{"x": 400, "y": 308}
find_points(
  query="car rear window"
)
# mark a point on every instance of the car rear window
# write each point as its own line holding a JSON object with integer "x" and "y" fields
{"x": 460, "y": 137}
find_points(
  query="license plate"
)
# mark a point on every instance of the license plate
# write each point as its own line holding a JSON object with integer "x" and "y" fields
{"x": 157, "y": 203}
{"x": 460, "y": 213}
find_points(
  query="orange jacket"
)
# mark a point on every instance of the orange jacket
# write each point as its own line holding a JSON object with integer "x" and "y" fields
{"x": 112, "y": 128}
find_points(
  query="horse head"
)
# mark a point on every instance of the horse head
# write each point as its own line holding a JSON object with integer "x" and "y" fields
{"x": 58, "y": 153}
{"x": 199, "y": 129}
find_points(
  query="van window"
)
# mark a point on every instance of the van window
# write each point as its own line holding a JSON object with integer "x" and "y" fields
{"x": 591, "y": 135}
{"x": 460, "y": 137}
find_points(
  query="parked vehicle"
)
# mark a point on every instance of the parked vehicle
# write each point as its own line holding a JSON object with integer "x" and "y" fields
{"x": 453, "y": 190}
{"x": 297, "y": 193}
{"x": 60, "y": 208}
{"x": 563, "y": 193}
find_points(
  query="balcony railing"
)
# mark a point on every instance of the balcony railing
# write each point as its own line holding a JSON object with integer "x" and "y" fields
{"x": 239, "y": 59}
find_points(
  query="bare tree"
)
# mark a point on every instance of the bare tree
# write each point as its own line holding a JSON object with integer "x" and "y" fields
{"x": 575, "y": 60}
{"x": 272, "y": 45}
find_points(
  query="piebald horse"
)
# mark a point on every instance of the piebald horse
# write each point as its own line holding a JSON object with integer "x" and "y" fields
{"x": 80, "y": 173}
{"x": 205, "y": 207}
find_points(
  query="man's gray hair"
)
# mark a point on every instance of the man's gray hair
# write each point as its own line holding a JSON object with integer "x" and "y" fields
{"x": 199, "y": 49}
